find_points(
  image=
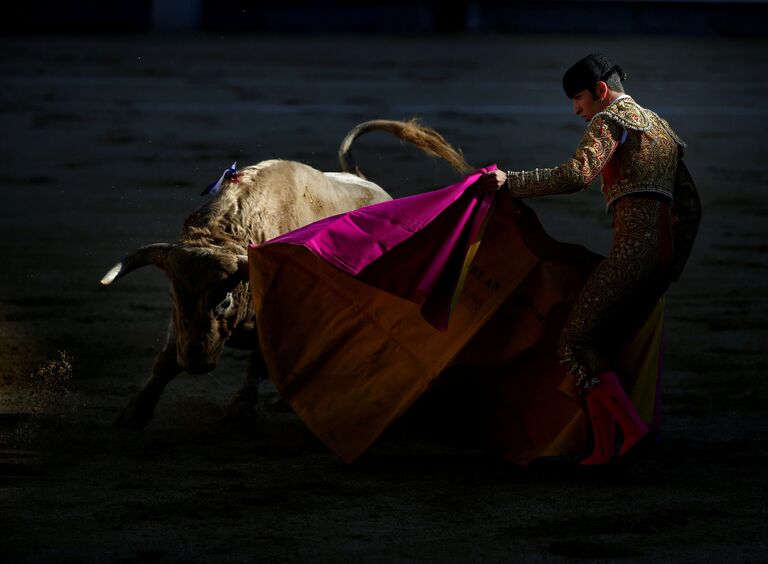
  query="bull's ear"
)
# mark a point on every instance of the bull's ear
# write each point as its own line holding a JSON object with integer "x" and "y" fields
{"x": 149, "y": 254}
{"x": 242, "y": 268}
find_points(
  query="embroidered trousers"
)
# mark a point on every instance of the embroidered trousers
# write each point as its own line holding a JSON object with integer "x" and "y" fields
{"x": 622, "y": 290}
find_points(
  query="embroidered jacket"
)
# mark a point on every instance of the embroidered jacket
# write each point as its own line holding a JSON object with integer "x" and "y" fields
{"x": 633, "y": 148}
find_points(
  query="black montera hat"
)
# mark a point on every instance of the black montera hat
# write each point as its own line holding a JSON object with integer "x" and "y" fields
{"x": 587, "y": 72}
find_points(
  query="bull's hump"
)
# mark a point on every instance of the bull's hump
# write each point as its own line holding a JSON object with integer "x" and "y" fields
{"x": 348, "y": 178}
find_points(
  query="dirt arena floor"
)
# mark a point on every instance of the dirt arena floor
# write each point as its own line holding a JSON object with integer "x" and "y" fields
{"x": 106, "y": 145}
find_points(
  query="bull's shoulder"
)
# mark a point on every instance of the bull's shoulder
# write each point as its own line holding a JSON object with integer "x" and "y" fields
{"x": 273, "y": 180}
{"x": 276, "y": 196}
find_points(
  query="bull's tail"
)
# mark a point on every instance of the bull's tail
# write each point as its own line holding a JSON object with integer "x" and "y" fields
{"x": 425, "y": 138}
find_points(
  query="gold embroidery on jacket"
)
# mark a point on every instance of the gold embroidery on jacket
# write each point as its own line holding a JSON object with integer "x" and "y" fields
{"x": 645, "y": 162}
{"x": 595, "y": 150}
{"x": 665, "y": 124}
{"x": 627, "y": 113}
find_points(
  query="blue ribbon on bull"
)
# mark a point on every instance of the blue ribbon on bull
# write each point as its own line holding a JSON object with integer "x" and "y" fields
{"x": 216, "y": 186}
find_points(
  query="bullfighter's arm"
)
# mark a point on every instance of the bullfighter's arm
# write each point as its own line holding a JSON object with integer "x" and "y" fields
{"x": 593, "y": 153}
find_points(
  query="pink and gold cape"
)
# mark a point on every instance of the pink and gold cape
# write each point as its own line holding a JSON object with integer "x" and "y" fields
{"x": 360, "y": 314}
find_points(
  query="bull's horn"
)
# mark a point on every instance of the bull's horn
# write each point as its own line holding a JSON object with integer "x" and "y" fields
{"x": 149, "y": 254}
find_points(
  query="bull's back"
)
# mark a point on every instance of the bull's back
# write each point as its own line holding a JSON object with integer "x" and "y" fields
{"x": 277, "y": 196}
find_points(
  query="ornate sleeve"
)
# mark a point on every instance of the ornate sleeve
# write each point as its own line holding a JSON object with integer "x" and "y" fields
{"x": 593, "y": 153}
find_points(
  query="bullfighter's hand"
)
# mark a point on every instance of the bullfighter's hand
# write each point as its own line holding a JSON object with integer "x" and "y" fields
{"x": 491, "y": 181}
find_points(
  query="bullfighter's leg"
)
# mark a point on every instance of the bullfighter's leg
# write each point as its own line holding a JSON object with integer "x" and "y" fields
{"x": 243, "y": 405}
{"x": 141, "y": 408}
{"x": 622, "y": 290}
{"x": 617, "y": 296}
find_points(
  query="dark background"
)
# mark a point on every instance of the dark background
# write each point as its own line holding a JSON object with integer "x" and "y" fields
{"x": 693, "y": 17}
{"x": 114, "y": 116}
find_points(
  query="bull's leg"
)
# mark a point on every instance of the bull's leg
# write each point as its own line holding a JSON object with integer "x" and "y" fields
{"x": 141, "y": 408}
{"x": 243, "y": 405}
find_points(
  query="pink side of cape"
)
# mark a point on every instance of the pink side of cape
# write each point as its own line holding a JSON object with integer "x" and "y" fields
{"x": 368, "y": 238}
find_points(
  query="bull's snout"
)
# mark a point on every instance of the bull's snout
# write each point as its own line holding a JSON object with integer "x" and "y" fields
{"x": 198, "y": 356}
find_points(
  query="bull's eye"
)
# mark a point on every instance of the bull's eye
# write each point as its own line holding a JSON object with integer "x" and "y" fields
{"x": 221, "y": 309}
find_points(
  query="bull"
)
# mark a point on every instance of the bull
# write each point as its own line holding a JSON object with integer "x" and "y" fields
{"x": 207, "y": 265}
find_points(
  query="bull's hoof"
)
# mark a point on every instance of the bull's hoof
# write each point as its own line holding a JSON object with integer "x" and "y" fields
{"x": 132, "y": 420}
